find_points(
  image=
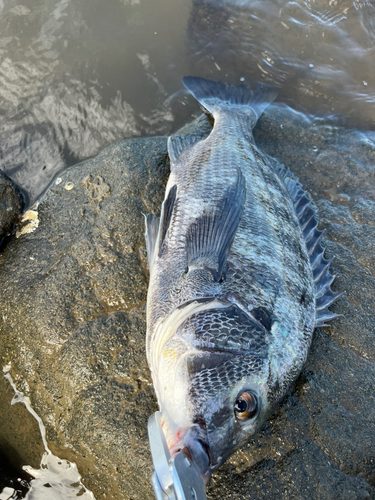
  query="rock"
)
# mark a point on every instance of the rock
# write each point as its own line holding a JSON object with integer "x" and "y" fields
{"x": 17, "y": 426}
{"x": 73, "y": 319}
{"x": 11, "y": 205}
{"x": 73, "y": 324}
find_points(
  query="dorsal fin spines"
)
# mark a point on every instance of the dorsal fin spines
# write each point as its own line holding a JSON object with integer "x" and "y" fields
{"x": 324, "y": 284}
{"x": 327, "y": 299}
{"x": 306, "y": 216}
{"x": 314, "y": 241}
{"x": 302, "y": 203}
{"x": 321, "y": 269}
{"x": 325, "y": 315}
{"x": 306, "y": 213}
{"x": 299, "y": 194}
{"x": 309, "y": 230}
{"x": 316, "y": 259}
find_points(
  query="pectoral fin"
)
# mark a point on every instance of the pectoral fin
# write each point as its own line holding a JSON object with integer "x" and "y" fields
{"x": 210, "y": 236}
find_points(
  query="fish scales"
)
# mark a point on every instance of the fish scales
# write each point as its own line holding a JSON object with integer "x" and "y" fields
{"x": 232, "y": 297}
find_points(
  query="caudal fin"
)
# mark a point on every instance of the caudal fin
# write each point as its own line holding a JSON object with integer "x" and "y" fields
{"x": 218, "y": 96}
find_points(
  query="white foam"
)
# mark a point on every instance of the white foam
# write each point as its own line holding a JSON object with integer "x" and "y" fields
{"x": 56, "y": 479}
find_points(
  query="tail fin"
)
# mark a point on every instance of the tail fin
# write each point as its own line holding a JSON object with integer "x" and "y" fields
{"x": 217, "y": 96}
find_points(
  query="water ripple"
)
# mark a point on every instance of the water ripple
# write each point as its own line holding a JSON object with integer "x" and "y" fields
{"x": 74, "y": 78}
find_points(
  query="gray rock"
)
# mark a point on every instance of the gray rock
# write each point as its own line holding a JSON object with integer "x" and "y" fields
{"x": 73, "y": 319}
{"x": 11, "y": 205}
{"x": 73, "y": 324}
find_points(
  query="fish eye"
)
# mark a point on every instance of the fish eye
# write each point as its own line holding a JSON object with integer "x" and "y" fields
{"x": 245, "y": 406}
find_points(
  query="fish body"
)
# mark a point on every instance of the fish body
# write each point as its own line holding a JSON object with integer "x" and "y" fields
{"x": 238, "y": 281}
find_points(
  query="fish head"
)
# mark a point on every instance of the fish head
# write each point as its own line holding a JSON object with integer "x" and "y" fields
{"x": 229, "y": 407}
{"x": 213, "y": 399}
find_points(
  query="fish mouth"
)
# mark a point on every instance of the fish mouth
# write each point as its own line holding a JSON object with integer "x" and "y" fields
{"x": 195, "y": 445}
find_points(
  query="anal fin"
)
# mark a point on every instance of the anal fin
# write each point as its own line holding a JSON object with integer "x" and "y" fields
{"x": 152, "y": 229}
{"x": 178, "y": 144}
{"x": 165, "y": 217}
{"x": 210, "y": 236}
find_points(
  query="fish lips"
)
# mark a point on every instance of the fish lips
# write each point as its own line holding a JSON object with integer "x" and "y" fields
{"x": 195, "y": 446}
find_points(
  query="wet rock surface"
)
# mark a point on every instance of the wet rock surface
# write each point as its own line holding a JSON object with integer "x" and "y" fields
{"x": 11, "y": 205}
{"x": 73, "y": 319}
{"x": 73, "y": 324}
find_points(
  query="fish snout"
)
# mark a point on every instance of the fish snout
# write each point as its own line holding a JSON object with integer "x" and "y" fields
{"x": 195, "y": 446}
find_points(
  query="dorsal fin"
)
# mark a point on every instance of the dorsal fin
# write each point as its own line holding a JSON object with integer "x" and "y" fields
{"x": 210, "y": 236}
{"x": 307, "y": 217}
{"x": 178, "y": 144}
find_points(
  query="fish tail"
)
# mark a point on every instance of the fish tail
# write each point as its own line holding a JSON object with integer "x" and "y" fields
{"x": 219, "y": 97}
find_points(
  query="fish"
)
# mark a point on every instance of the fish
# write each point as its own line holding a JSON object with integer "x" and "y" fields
{"x": 238, "y": 281}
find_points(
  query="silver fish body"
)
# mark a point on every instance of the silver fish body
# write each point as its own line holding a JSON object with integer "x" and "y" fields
{"x": 238, "y": 281}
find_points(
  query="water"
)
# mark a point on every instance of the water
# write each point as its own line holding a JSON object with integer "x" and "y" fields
{"x": 56, "y": 479}
{"x": 76, "y": 76}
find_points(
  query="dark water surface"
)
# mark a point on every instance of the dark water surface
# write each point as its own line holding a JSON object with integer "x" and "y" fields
{"x": 77, "y": 75}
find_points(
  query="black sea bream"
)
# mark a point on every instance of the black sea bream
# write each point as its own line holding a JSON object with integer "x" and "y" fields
{"x": 238, "y": 281}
